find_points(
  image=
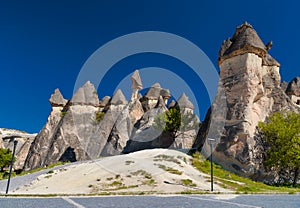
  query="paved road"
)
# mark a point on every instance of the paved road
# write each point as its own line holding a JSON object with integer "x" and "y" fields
{"x": 176, "y": 201}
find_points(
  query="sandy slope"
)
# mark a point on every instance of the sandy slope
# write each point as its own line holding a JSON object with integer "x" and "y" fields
{"x": 143, "y": 171}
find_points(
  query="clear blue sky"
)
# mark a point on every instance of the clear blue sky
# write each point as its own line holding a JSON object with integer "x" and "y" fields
{"x": 44, "y": 44}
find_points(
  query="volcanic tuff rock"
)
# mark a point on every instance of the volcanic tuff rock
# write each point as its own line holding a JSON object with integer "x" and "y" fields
{"x": 85, "y": 128}
{"x": 293, "y": 90}
{"x": 249, "y": 91}
{"x": 7, "y": 137}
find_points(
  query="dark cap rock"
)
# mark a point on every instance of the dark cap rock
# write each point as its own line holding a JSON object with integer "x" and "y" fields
{"x": 154, "y": 91}
{"x": 244, "y": 40}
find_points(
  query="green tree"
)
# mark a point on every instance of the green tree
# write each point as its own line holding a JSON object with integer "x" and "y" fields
{"x": 174, "y": 121}
{"x": 282, "y": 134}
{"x": 5, "y": 158}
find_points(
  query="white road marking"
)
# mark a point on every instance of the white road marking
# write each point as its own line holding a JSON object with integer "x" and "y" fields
{"x": 70, "y": 201}
{"x": 221, "y": 201}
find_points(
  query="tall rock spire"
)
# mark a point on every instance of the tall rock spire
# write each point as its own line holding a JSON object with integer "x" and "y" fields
{"x": 248, "y": 92}
{"x": 136, "y": 84}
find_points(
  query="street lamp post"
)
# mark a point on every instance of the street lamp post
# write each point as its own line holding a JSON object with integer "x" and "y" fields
{"x": 211, "y": 164}
{"x": 11, "y": 164}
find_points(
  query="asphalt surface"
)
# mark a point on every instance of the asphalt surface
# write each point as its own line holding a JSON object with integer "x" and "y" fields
{"x": 175, "y": 201}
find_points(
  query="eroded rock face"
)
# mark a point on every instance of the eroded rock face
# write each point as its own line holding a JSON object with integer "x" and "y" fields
{"x": 249, "y": 91}
{"x": 57, "y": 100}
{"x": 85, "y": 128}
{"x": 65, "y": 129}
{"x": 24, "y": 141}
{"x": 293, "y": 90}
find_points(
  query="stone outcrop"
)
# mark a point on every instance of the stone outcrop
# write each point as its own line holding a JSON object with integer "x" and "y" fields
{"x": 293, "y": 90}
{"x": 85, "y": 127}
{"x": 152, "y": 96}
{"x": 186, "y": 137}
{"x": 249, "y": 91}
{"x": 7, "y": 137}
{"x": 57, "y": 100}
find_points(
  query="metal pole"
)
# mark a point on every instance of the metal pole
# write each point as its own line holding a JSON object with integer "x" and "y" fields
{"x": 11, "y": 164}
{"x": 211, "y": 168}
{"x": 211, "y": 164}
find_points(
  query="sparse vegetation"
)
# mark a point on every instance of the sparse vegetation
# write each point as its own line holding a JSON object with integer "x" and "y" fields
{"x": 235, "y": 182}
{"x": 63, "y": 113}
{"x": 170, "y": 170}
{"x": 149, "y": 182}
{"x": 166, "y": 158}
{"x": 99, "y": 116}
{"x": 142, "y": 172}
{"x": 187, "y": 182}
{"x": 173, "y": 121}
{"x": 116, "y": 183}
{"x": 43, "y": 168}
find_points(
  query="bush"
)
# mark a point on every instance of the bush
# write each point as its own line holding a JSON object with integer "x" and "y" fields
{"x": 99, "y": 116}
{"x": 5, "y": 158}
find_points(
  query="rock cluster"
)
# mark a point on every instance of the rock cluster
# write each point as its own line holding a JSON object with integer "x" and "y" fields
{"x": 7, "y": 137}
{"x": 85, "y": 127}
{"x": 249, "y": 91}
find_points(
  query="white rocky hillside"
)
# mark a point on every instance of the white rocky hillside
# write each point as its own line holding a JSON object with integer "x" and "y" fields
{"x": 148, "y": 171}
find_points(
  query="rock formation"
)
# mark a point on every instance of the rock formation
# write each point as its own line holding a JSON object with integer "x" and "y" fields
{"x": 7, "y": 137}
{"x": 249, "y": 91}
{"x": 186, "y": 138}
{"x": 85, "y": 128}
{"x": 293, "y": 90}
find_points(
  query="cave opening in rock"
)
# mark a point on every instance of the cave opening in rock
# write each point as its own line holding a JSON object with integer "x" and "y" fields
{"x": 68, "y": 156}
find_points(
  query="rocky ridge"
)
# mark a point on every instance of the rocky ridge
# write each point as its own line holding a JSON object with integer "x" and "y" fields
{"x": 85, "y": 127}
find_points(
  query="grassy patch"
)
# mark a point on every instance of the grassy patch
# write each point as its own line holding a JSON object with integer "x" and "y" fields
{"x": 149, "y": 182}
{"x": 187, "y": 182}
{"x": 4, "y": 175}
{"x": 99, "y": 116}
{"x": 142, "y": 173}
{"x": 166, "y": 158}
{"x": 116, "y": 183}
{"x": 234, "y": 182}
{"x": 170, "y": 170}
{"x": 63, "y": 113}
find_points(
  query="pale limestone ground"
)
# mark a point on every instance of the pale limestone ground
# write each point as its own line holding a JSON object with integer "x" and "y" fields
{"x": 135, "y": 172}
